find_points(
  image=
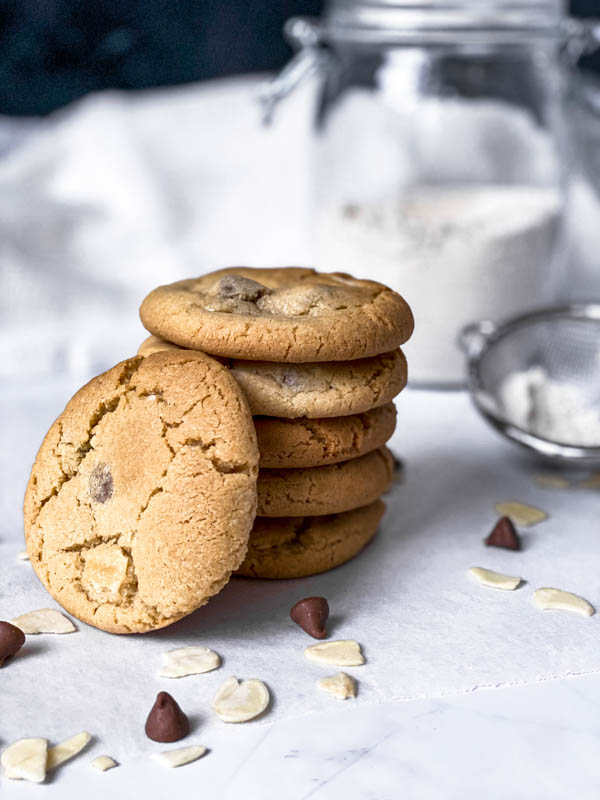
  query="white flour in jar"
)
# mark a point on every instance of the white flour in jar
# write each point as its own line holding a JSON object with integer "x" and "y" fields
{"x": 458, "y": 254}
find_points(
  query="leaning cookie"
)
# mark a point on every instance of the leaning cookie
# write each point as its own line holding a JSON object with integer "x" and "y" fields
{"x": 293, "y": 443}
{"x": 316, "y": 491}
{"x": 285, "y": 314}
{"x": 296, "y": 547}
{"x": 143, "y": 494}
{"x": 329, "y": 389}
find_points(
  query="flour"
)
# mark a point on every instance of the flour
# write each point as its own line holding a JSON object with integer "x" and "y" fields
{"x": 559, "y": 412}
{"x": 457, "y": 253}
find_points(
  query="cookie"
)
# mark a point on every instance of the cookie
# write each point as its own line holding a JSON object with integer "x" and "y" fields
{"x": 329, "y": 389}
{"x": 285, "y": 314}
{"x": 324, "y": 490}
{"x": 289, "y": 443}
{"x": 295, "y": 547}
{"x": 143, "y": 493}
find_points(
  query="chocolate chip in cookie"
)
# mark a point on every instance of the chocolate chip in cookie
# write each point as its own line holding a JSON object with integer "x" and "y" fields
{"x": 101, "y": 484}
{"x": 238, "y": 288}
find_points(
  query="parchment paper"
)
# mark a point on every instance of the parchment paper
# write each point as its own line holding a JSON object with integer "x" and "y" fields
{"x": 426, "y": 628}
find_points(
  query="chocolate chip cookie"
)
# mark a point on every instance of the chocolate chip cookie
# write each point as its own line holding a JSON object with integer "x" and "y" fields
{"x": 285, "y": 314}
{"x": 143, "y": 493}
{"x": 295, "y": 547}
{"x": 290, "y": 443}
{"x": 324, "y": 490}
{"x": 328, "y": 389}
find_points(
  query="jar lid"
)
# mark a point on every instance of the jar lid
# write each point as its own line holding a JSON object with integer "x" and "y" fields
{"x": 366, "y": 20}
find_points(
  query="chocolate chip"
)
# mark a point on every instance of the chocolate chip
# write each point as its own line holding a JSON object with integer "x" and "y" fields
{"x": 289, "y": 379}
{"x": 166, "y": 721}
{"x": 504, "y": 535}
{"x": 311, "y": 615}
{"x": 12, "y": 640}
{"x": 238, "y": 288}
{"x": 101, "y": 484}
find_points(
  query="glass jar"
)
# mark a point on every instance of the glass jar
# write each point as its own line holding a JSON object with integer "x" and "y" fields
{"x": 441, "y": 156}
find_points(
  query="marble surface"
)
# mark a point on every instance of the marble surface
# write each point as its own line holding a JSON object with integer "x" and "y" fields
{"x": 539, "y": 739}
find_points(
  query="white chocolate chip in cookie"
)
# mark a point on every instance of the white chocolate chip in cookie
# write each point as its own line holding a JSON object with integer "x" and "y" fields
{"x": 62, "y": 752}
{"x": 105, "y": 573}
{"x": 341, "y": 685}
{"x": 240, "y": 701}
{"x": 179, "y": 757}
{"x": 102, "y": 763}
{"x": 520, "y": 513}
{"x": 23, "y": 556}
{"x": 188, "y": 661}
{"x": 343, "y": 653}
{"x": 26, "y": 760}
{"x": 44, "y": 620}
{"x": 495, "y": 580}
{"x": 556, "y": 599}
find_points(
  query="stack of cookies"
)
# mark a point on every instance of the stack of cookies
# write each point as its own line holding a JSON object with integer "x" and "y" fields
{"x": 317, "y": 357}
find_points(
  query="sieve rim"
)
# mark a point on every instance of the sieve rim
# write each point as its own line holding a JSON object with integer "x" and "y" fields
{"x": 477, "y": 339}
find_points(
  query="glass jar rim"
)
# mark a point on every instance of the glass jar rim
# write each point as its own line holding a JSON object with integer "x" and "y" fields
{"x": 444, "y": 20}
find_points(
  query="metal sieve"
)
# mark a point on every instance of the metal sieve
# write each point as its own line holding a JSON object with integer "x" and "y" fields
{"x": 564, "y": 342}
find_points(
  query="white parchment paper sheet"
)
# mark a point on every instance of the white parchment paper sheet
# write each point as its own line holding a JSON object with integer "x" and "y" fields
{"x": 426, "y": 628}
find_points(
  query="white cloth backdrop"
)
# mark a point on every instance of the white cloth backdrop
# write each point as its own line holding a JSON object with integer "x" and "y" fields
{"x": 121, "y": 192}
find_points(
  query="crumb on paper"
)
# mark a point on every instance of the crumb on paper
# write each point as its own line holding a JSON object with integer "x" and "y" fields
{"x": 341, "y": 686}
{"x": 179, "y": 757}
{"x": 494, "y": 580}
{"x": 240, "y": 701}
{"x": 44, "y": 620}
{"x": 520, "y": 513}
{"x": 342, "y": 653}
{"x": 549, "y": 599}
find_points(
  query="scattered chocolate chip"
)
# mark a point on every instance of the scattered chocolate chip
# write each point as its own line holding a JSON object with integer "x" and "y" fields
{"x": 101, "y": 484}
{"x": 238, "y": 288}
{"x": 12, "y": 640}
{"x": 311, "y": 615}
{"x": 166, "y": 721}
{"x": 504, "y": 535}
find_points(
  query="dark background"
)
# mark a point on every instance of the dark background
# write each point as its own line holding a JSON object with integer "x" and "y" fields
{"x": 53, "y": 51}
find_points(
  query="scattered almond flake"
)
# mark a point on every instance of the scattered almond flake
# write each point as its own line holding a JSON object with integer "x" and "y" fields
{"x": 26, "y": 760}
{"x": 556, "y": 599}
{"x": 495, "y": 580}
{"x": 188, "y": 661}
{"x": 593, "y": 482}
{"x": 240, "y": 701}
{"x": 521, "y": 514}
{"x": 103, "y": 763}
{"x": 23, "y": 556}
{"x": 177, "y": 758}
{"x": 62, "y": 752}
{"x": 341, "y": 685}
{"x": 44, "y": 620}
{"x": 343, "y": 653}
{"x": 550, "y": 481}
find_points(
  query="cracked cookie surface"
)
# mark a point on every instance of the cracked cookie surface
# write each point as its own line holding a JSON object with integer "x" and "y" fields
{"x": 287, "y": 314}
{"x": 295, "y": 547}
{"x": 143, "y": 492}
{"x": 331, "y": 489}
{"x": 293, "y": 443}
{"x": 322, "y": 389}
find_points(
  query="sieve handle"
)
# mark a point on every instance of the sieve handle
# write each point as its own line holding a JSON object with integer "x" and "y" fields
{"x": 474, "y": 337}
